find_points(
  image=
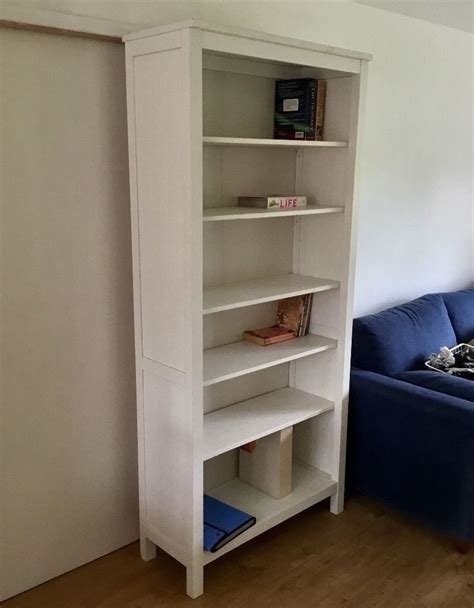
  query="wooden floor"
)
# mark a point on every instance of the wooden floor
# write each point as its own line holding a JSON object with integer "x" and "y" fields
{"x": 367, "y": 557}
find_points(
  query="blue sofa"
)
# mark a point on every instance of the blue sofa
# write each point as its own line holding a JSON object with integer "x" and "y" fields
{"x": 411, "y": 431}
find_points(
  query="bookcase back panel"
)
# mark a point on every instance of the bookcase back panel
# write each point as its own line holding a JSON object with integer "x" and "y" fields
{"x": 321, "y": 246}
{"x": 238, "y": 99}
{"x": 227, "y": 327}
{"x": 338, "y": 105}
{"x": 316, "y": 374}
{"x": 324, "y": 175}
{"x": 313, "y": 442}
{"x": 220, "y": 469}
{"x": 232, "y": 172}
{"x": 233, "y": 391}
{"x": 251, "y": 172}
{"x": 244, "y": 250}
{"x": 325, "y": 314}
{"x": 237, "y": 105}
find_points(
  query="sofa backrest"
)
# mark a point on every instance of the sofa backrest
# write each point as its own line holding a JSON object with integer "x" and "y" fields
{"x": 460, "y": 306}
{"x": 402, "y": 338}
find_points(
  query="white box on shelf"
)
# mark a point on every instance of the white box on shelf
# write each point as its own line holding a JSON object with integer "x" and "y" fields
{"x": 268, "y": 467}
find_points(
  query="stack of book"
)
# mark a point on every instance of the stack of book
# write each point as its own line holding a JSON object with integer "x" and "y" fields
{"x": 299, "y": 109}
{"x": 292, "y": 321}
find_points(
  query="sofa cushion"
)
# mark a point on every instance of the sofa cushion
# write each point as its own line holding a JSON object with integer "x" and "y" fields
{"x": 402, "y": 338}
{"x": 441, "y": 383}
{"x": 460, "y": 305}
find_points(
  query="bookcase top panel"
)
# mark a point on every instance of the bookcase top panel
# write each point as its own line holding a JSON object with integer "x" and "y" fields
{"x": 250, "y": 35}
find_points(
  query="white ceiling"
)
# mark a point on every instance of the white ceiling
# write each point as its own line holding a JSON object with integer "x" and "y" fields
{"x": 458, "y": 14}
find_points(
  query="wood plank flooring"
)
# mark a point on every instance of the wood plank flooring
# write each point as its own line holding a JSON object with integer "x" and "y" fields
{"x": 367, "y": 557}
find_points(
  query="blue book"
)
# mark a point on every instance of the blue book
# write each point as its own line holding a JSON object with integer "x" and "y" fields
{"x": 222, "y": 523}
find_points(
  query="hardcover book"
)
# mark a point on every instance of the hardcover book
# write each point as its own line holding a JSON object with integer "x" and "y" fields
{"x": 269, "y": 335}
{"x": 320, "y": 108}
{"x": 292, "y": 321}
{"x": 222, "y": 523}
{"x": 273, "y": 201}
{"x": 294, "y": 313}
{"x": 299, "y": 109}
{"x": 295, "y": 108}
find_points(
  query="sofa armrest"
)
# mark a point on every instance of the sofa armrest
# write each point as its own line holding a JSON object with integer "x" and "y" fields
{"x": 413, "y": 449}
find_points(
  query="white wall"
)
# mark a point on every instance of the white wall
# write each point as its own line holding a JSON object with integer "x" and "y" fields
{"x": 68, "y": 486}
{"x": 416, "y": 218}
{"x": 69, "y": 431}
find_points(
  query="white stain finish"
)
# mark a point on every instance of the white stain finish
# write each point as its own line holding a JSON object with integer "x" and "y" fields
{"x": 218, "y": 214}
{"x": 257, "y": 291}
{"x": 235, "y": 425}
{"x": 200, "y": 110}
{"x": 240, "y": 358}
{"x": 270, "y": 143}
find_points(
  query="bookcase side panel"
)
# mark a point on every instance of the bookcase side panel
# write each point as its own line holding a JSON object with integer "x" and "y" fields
{"x": 165, "y": 128}
{"x": 358, "y": 100}
{"x": 162, "y": 203}
{"x": 170, "y": 518}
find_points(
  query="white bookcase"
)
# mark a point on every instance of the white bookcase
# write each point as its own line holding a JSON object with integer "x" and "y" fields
{"x": 200, "y": 114}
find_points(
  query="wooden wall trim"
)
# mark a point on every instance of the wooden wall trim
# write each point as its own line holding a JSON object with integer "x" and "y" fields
{"x": 30, "y": 27}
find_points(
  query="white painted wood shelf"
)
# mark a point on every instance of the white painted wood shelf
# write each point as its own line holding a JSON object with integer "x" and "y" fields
{"x": 310, "y": 486}
{"x": 235, "y": 425}
{"x": 240, "y": 358}
{"x": 200, "y": 105}
{"x": 271, "y": 143}
{"x": 218, "y": 214}
{"x": 257, "y": 291}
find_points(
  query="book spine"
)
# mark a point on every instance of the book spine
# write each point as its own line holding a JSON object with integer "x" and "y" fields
{"x": 295, "y": 109}
{"x": 253, "y": 338}
{"x": 320, "y": 109}
{"x": 286, "y": 202}
{"x": 273, "y": 202}
{"x": 249, "y": 337}
{"x": 312, "y": 92}
{"x": 258, "y": 203}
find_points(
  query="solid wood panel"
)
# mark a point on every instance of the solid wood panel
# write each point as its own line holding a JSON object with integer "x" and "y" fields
{"x": 232, "y": 360}
{"x": 258, "y": 291}
{"x": 169, "y": 459}
{"x": 239, "y": 389}
{"x": 247, "y": 36}
{"x": 270, "y": 143}
{"x": 228, "y": 326}
{"x": 247, "y": 250}
{"x": 245, "y": 213}
{"x": 247, "y": 421}
{"x": 244, "y": 46}
{"x": 162, "y": 204}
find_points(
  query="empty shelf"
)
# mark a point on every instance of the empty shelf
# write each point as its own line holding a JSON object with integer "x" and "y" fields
{"x": 240, "y": 358}
{"x": 271, "y": 143}
{"x": 249, "y": 420}
{"x": 217, "y": 214}
{"x": 257, "y": 291}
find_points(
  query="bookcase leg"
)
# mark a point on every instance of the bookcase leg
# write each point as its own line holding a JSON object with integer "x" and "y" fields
{"x": 337, "y": 503}
{"x": 147, "y": 549}
{"x": 194, "y": 581}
